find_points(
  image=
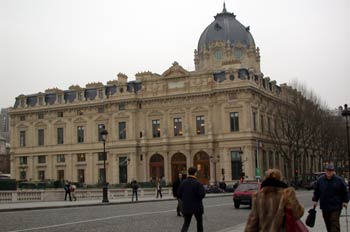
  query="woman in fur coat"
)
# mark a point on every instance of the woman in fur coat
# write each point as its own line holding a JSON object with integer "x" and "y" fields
{"x": 268, "y": 206}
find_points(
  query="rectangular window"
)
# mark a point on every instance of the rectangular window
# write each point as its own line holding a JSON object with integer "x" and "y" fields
{"x": 271, "y": 159}
{"x": 100, "y": 109}
{"x": 234, "y": 121}
{"x": 254, "y": 121}
{"x": 236, "y": 165}
{"x": 177, "y": 127}
{"x": 22, "y": 118}
{"x": 60, "y": 174}
{"x": 100, "y": 127}
{"x": 156, "y": 128}
{"x": 23, "y": 160}
{"x": 200, "y": 126}
{"x": 277, "y": 160}
{"x": 40, "y": 115}
{"x": 41, "y": 175}
{"x": 100, "y": 94}
{"x": 60, "y": 114}
{"x": 262, "y": 123}
{"x": 22, "y": 138}
{"x": 122, "y": 130}
{"x": 269, "y": 124}
{"x": 121, "y": 106}
{"x": 81, "y": 157}
{"x": 81, "y": 175}
{"x": 60, "y": 135}
{"x": 41, "y": 137}
{"x": 80, "y": 134}
{"x": 80, "y": 96}
{"x": 100, "y": 156}
{"x": 41, "y": 159}
{"x": 101, "y": 175}
{"x": 61, "y": 158}
{"x": 22, "y": 175}
{"x": 123, "y": 169}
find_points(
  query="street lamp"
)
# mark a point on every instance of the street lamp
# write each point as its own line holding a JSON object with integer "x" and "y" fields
{"x": 215, "y": 160}
{"x": 104, "y": 134}
{"x": 346, "y": 114}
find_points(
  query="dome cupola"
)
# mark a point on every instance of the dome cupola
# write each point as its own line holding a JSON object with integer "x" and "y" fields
{"x": 226, "y": 28}
{"x": 225, "y": 44}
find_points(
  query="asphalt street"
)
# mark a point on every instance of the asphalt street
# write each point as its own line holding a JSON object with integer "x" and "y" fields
{"x": 220, "y": 215}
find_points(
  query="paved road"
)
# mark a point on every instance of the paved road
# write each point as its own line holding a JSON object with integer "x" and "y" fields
{"x": 220, "y": 216}
{"x": 146, "y": 216}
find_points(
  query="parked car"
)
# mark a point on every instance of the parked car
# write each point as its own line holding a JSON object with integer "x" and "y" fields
{"x": 244, "y": 192}
{"x": 213, "y": 189}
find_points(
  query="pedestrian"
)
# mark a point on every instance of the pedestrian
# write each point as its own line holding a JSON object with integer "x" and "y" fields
{"x": 67, "y": 190}
{"x": 72, "y": 189}
{"x": 333, "y": 196}
{"x": 269, "y": 203}
{"x": 159, "y": 188}
{"x": 134, "y": 186}
{"x": 191, "y": 192}
{"x": 176, "y": 185}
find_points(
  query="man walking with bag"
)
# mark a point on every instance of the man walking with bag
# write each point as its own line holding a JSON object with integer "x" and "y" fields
{"x": 332, "y": 193}
{"x": 191, "y": 193}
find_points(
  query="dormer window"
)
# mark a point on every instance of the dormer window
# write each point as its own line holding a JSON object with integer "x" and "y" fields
{"x": 238, "y": 53}
{"x": 218, "y": 54}
{"x": 217, "y": 27}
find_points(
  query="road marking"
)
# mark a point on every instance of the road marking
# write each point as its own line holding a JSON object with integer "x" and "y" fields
{"x": 106, "y": 218}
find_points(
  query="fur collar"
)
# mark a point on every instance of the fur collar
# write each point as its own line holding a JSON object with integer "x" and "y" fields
{"x": 273, "y": 183}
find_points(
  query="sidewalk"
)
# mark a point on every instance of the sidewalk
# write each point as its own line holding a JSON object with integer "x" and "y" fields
{"x": 5, "y": 207}
{"x": 319, "y": 224}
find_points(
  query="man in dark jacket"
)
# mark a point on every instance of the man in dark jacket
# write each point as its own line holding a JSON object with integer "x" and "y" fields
{"x": 67, "y": 190}
{"x": 176, "y": 185}
{"x": 134, "y": 187}
{"x": 191, "y": 193}
{"x": 332, "y": 193}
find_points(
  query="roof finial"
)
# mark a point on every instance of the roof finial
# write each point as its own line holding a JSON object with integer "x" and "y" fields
{"x": 224, "y": 10}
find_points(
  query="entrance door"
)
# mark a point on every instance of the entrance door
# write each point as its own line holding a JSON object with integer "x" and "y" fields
{"x": 156, "y": 167}
{"x": 178, "y": 164}
{"x": 201, "y": 162}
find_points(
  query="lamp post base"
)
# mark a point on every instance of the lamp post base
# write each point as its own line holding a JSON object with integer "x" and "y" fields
{"x": 105, "y": 194}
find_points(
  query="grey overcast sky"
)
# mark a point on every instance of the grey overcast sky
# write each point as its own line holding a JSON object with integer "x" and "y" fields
{"x": 47, "y": 43}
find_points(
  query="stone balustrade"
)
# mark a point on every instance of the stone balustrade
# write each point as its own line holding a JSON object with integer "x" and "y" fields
{"x": 81, "y": 194}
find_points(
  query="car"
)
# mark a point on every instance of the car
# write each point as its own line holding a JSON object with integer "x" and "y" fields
{"x": 244, "y": 192}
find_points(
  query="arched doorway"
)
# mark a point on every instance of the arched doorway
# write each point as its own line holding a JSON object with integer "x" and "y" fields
{"x": 201, "y": 162}
{"x": 156, "y": 167}
{"x": 178, "y": 164}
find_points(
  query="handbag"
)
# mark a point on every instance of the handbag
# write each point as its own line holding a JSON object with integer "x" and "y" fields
{"x": 310, "y": 219}
{"x": 292, "y": 224}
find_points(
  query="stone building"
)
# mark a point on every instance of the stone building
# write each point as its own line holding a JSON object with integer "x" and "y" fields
{"x": 216, "y": 118}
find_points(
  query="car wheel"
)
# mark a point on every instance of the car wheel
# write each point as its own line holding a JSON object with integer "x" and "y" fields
{"x": 236, "y": 203}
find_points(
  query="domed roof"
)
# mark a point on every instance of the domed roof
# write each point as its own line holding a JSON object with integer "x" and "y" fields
{"x": 226, "y": 28}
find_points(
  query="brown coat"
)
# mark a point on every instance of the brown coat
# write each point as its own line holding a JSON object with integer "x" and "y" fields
{"x": 268, "y": 209}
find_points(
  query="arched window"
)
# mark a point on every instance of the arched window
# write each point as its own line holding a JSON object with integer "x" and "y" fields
{"x": 201, "y": 162}
{"x": 178, "y": 165}
{"x": 156, "y": 167}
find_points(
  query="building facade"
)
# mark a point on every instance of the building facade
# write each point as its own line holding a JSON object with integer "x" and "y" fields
{"x": 216, "y": 118}
{"x": 4, "y": 142}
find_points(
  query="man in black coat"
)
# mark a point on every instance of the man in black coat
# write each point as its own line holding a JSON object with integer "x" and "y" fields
{"x": 332, "y": 193}
{"x": 176, "y": 185}
{"x": 191, "y": 193}
{"x": 67, "y": 190}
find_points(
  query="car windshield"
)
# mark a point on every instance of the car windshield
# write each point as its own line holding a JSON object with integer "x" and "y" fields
{"x": 247, "y": 187}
